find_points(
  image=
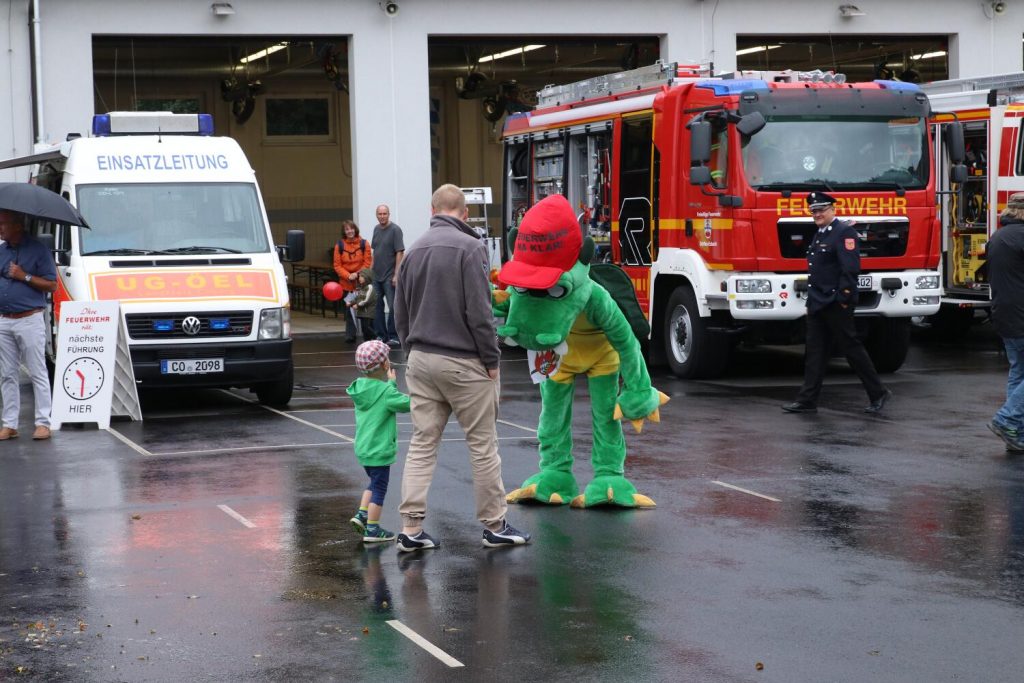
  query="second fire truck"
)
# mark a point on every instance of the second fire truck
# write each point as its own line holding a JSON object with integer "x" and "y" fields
{"x": 990, "y": 110}
{"x": 696, "y": 187}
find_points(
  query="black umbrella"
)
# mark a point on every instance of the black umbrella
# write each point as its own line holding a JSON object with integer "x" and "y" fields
{"x": 33, "y": 200}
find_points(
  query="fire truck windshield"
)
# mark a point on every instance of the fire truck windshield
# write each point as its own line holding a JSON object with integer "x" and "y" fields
{"x": 146, "y": 218}
{"x": 805, "y": 152}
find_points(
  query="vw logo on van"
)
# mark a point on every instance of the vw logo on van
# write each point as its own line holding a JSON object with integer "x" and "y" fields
{"x": 191, "y": 325}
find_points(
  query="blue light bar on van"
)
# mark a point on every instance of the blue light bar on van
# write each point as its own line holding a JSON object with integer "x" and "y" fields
{"x": 151, "y": 123}
{"x": 205, "y": 124}
{"x": 101, "y": 125}
{"x": 163, "y": 325}
{"x": 733, "y": 86}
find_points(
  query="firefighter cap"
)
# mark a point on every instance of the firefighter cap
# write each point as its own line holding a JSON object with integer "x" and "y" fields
{"x": 1016, "y": 201}
{"x": 547, "y": 245}
{"x": 819, "y": 200}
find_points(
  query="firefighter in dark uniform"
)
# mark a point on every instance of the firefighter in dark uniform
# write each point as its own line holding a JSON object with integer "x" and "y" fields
{"x": 833, "y": 263}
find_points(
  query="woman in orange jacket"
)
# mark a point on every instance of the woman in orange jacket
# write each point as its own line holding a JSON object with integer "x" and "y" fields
{"x": 351, "y": 254}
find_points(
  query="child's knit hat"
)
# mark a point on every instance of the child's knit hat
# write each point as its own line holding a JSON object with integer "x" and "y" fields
{"x": 371, "y": 354}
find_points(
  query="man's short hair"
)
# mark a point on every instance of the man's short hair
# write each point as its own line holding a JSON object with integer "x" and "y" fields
{"x": 448, "y": 198}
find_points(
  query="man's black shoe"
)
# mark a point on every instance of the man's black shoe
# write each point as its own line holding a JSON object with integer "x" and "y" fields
{"x": 798, "y": 407}
{"x": 879, "y": 403}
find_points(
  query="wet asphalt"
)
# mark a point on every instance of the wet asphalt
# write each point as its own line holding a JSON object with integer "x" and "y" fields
{"x": 211, "y": 542}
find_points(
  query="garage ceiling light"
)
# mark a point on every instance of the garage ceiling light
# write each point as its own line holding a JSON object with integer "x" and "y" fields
{"x": 759, "y": 48}
{"x": 510, "y": 53}
{"x": 929, "y": 55}
{"x": 263, "y": 53}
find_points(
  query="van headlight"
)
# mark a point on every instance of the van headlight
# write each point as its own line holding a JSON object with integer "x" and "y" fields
{"x": 752, "y": 286}
{"x": 275, "y": 323}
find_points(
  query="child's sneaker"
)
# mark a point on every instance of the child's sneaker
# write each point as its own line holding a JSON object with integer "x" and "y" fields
{"x": 378, "y": 535}
{"x": 420, "y": 541}
{"x": 359, "y": 523}
{"x": 507, "y": 535}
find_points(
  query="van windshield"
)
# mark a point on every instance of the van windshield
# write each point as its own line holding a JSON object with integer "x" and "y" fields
{"x": 143, "y": 218}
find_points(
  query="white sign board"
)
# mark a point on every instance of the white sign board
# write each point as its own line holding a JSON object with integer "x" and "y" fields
{"x": 90, "y": 366}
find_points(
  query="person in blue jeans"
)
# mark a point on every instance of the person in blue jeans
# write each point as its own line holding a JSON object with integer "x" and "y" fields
{"x": 1005, "y": 255}
{"x": 388, "y": 249}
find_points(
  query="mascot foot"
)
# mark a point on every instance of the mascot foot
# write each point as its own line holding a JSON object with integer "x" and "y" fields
{"x": 611, "y": 490}
{"x": 552, "y": 488}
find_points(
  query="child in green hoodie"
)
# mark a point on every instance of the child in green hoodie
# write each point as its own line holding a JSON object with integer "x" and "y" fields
{"x": 377, "y": 400}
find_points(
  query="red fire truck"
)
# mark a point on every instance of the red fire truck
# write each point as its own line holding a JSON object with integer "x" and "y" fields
{"x": 696, "y": 187}
{"x": 990, "y": 111}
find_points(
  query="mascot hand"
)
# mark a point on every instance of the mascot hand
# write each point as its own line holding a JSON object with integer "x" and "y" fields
{"x": 635, "y": 405}
{"x": 500, "y": 302}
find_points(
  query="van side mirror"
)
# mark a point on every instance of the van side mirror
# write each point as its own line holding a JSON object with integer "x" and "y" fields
{"x": 700, "y": 143}
{"x": 958, "y": 173}
{"x": 955, "y": 142}
{"x": 49, "y": 241}
{"x": 295, "y": 247}
{"x": 751, "y": 124}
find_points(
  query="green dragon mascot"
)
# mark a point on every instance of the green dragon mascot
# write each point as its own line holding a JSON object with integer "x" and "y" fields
{"x": 553, "y": 306}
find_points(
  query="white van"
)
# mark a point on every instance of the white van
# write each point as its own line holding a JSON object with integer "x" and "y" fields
{"x": 179, "y": 235}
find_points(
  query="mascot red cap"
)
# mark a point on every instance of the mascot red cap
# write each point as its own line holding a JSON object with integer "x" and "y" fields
{"x": 547, "y": 245}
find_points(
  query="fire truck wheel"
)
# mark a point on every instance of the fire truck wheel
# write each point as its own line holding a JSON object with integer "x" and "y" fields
{"x": 888, "y": 342}
{"x": 276, "y": 394}
{"x": 690, "y": 347}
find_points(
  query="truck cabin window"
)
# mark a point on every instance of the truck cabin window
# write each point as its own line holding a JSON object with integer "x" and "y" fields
{"x": 836, "y": 153}
{"x": 186, "y": 218}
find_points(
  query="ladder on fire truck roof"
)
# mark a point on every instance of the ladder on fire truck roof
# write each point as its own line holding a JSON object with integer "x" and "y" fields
{"x": 664, "y": 73}
{"x": 1002, "y": 83}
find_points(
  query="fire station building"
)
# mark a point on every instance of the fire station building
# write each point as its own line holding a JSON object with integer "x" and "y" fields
{"x": 346, "y": 104}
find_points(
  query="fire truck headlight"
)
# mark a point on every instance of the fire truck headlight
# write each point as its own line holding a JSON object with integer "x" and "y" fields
{"x": 926, "y": 300}
{"x": 750, "y": 286}
{"x": 755, "y": 304}
{"x": 927, "y": 281}
{"x": 275, "y": 323}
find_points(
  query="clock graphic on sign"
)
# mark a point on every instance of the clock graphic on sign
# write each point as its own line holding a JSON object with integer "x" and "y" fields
{"x": 83, "y": 378}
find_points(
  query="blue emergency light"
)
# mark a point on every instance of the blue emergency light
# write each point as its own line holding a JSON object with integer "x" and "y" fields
{"x": 220, "y": 324}
{"x": 163, "y": 325}
{"x": 151, "y": 123}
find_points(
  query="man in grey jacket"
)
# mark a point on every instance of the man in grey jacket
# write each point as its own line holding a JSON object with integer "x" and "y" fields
{"x": 444, "y": 321}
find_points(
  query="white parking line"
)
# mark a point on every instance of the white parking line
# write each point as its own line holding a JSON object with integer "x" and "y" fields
{"x": 424, "y": 643}
{"x": 131, "y": 444}
{"x": 513, "y": 424}
{"x": 268, "y": 447}
{"x": 231, "y": 513}
{"x": 291, "y": 417}
{"x": 752, "y": 493}
{"x": 500, "y": 438}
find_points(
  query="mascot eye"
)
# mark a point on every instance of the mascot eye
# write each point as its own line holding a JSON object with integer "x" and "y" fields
{"x": 520, "y": 290}
{"x": 556, "y": 292}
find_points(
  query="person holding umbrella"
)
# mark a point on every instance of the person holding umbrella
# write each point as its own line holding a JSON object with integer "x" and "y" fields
{"x": 27, "y": 274}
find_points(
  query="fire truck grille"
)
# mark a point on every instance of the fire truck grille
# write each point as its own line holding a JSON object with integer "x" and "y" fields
{"x": 175, "y": 325}
{"x": 877, "y": 238}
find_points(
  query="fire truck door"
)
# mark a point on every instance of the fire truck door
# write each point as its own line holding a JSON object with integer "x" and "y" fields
{"x": 634, "y": 198}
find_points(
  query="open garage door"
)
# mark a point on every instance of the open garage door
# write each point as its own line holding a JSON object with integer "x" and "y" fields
{"x": 283, "y": 98}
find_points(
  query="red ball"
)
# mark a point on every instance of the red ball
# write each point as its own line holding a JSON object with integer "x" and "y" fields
{"x": 333, "y": 291}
